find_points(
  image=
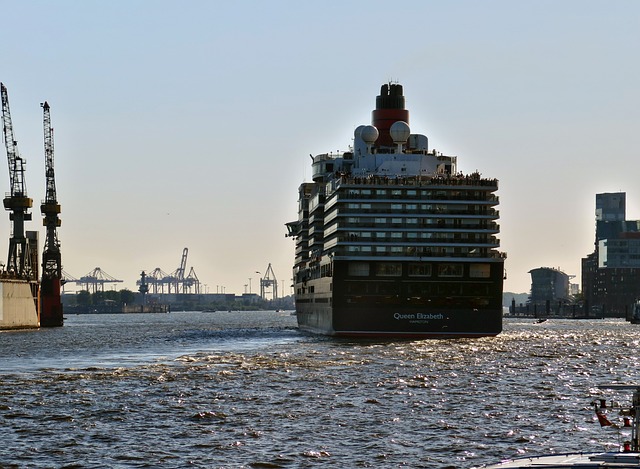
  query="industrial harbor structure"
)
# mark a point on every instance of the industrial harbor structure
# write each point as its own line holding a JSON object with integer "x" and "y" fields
{"x": 25, "y": 300}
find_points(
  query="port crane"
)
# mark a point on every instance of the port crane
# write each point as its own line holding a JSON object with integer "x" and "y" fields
{"x": 176, "y": 282}
{"x": 94, "y": 281}
{"x": 267, "y": 282}
{"x": 50, "y": 301}
{"x": 20, "y": 260}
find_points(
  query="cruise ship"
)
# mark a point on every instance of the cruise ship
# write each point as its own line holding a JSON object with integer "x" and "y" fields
{"x": 392, "y": 241}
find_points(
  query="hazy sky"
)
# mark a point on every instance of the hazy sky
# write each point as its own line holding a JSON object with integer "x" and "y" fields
{"x": 190, "y": 124}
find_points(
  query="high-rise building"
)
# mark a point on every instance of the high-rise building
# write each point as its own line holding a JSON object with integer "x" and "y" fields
{"x": 611, "y": 274}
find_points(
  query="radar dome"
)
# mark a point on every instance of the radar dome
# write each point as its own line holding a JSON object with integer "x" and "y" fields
{"x": 369, "y": 134}
{"x": 399, "y": 132}
{"x": 357, "y": 133}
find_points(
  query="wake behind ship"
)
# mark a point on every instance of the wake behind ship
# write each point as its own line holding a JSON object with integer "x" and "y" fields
{"x": 392, "y": 241}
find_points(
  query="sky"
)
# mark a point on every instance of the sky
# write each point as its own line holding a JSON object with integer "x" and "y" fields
{"x": 190, "y": 124}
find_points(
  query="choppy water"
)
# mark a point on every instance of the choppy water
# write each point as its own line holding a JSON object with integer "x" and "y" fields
{"x": 233, "y": 390}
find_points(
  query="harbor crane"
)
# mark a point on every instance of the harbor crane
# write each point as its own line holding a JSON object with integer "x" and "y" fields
{"x": 269, "y": 282}
{"x": 50, "y": 301}
{"x": 94, "y": 281}
{"x": 176, "y": 282}
{"x": 19, "y": 262}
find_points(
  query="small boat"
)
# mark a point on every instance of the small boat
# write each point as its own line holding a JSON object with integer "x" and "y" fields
{"x": 628, "y": 457}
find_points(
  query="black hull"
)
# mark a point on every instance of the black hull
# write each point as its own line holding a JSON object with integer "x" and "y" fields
{"x": 399, "y": 322}
{"x": 342, "y": 305}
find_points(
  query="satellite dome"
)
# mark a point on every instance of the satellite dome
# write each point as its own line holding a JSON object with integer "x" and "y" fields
{"x": 357, "y": 133}
{"x": 369, "y": 134}
{"x": 399, "y": 132}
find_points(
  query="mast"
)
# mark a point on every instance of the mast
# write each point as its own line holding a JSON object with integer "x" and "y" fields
{"x": 51, "y": 303}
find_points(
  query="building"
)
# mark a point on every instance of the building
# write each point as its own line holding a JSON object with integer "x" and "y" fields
{"x": 549, "y": 285}
{"x": 611, "y": 274}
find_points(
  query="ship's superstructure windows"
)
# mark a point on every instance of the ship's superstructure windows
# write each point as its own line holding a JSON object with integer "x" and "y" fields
{"x": 359, "y": 269}
{"x": 480, "y": 270}
{"x": 419, "y": 270}
{"x": 450, "y": 270}
{"x": 389, "y": 269}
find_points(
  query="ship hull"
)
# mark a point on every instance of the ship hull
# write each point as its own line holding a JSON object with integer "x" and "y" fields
{"x": 345, "y": 306}
{"x": 384, "y": 322}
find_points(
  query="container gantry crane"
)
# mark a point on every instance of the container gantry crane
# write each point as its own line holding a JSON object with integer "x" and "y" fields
{"x": 19, "y": 262}
{"x": 50, "y": 285}
{"x": 267, "y": 282}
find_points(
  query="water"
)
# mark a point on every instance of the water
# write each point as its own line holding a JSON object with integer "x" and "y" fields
{"x": 248, "y": 390}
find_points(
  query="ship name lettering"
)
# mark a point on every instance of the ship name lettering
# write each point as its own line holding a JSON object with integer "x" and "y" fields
{"x": 430, "y": 316}
{"x": 404, "y": 316}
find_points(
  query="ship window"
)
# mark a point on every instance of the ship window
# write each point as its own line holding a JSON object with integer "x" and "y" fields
{"x": 412, "y": 235}
{"x": 359, "y": 269}
{"x": 389, "y": 269}
{"x": 396, "y": 249}
{"x": 381, "y": 220}
{"x": 419, "y": 270}
{"x": 396, "y": 206}
{"x": 412, "y": 221}
{"x": 480, "y": 270}
{"x": 396, "y": 235}
{"x": 365, "y": 191}
{"x": 411, "y": 193}
{"x": 381, "y": 192}
{"x": 412, "y": 207}
{"x": 396, "y": 221}
{"x": 365, "y": 206}
{"x": 396, "y": 192}
{"x": 450, "y": 270}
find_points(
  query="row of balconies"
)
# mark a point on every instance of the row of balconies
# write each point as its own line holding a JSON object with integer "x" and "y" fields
{"x": 387, "y": 211}
{"x": 441, "y": 225}
{"x": 418, "y": 252}
{"x": 436, "y": 239}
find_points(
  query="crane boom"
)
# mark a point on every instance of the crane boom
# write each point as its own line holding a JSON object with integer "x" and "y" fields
{"x": 48, "y": 155}
{"x": 16, "y": 164}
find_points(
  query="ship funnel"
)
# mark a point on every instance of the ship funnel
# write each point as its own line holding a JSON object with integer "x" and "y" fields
{"x": 389, "y": 110}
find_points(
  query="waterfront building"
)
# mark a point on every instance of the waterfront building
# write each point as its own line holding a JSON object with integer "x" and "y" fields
{"x": 549, "y": 285}
{"x": 611, "y": 274}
